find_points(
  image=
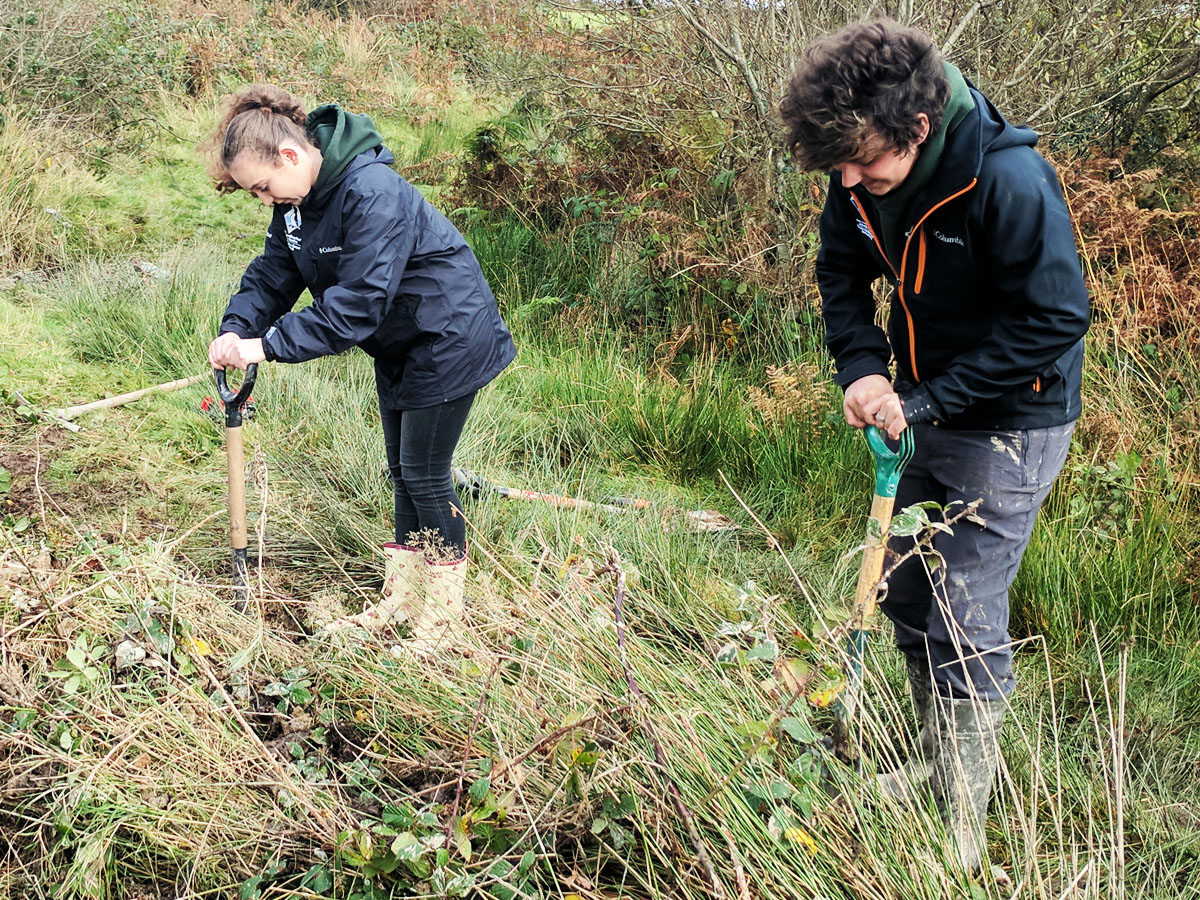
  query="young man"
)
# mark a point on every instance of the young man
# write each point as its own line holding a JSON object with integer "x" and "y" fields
{"x": 933, "y": 190}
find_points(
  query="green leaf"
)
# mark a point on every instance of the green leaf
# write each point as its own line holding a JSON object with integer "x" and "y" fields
{"x": 779, "y": 789}
{"x": 906, "y": 524}
{"x": 317, "y": 879}
{"x": 806, "y": 768}
{"x": 462, "y": 842}
{"x": 460, "y": 885}
{"x": 276, "y": 867}
{"x": 801, "y": 643}
{"x": 77, "y": 657}
{"x": 528, "y": 858}
{"x": 163, "y": 642}
{"x": 479, "y": 790}
{"x": 242, "y": 657}
{"x": 728, "y": 654}
{"x": 406, "y": 846}
{"x": 799, "y": 730}
{"x": 397, "y": 816}
{"x": 300, "y": 694}
{"x": 620, "y": 837}
{"x": 768, "y": 650}
{"x": 251, "y": 889}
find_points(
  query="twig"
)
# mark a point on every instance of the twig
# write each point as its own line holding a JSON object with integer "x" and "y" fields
{"x": 462, "y": 769}
{"x": 739, "y": 872}
{"x": 772, "y": 541}
{"x": 614, "y": 565}
{"x": 37, "y": 478}
{"x": 41, "y": 589}
{"x": 552, "y": 736}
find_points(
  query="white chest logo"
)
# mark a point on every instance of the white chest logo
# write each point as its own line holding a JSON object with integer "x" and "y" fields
{"x": 948, "y": 238}
{"x": 291, "y": 221}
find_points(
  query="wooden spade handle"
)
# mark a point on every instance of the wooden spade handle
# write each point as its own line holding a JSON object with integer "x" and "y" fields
{"x": 874, "y": 553}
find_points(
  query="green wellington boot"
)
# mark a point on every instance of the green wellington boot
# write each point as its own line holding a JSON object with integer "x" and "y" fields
{"x": 906, "y": 782}
{"x": 965, "y": 762}
{"x": 403, "y": 591}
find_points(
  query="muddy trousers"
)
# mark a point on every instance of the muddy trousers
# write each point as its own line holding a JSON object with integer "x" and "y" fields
{"x": 954, "y": 619}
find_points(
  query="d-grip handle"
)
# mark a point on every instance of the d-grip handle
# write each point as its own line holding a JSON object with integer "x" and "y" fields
{"x": 889, "y": 463}
{"x": 234, "y": 400}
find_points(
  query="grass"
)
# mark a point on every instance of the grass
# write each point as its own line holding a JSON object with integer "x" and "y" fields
{"x": 359, "y": 744}
{"x": 248, "y": 756}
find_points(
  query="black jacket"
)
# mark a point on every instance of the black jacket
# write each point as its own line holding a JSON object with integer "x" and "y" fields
{"x": 388, "y": 273}
{"x": 988, "y": 307}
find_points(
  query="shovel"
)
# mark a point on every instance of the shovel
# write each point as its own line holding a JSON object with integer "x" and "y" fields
{"x": 237, "y": 478}
{"x": 889, "y": 464}
{"x": 696, "y": 519}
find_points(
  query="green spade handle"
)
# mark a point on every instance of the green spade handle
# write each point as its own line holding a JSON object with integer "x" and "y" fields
{"x": 889, "y": 463}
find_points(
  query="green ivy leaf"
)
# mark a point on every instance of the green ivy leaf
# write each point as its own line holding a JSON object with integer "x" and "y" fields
{"x": 767, "y": 650}
{"x": 406, "y": 847}
{"x": 318, "y": 879}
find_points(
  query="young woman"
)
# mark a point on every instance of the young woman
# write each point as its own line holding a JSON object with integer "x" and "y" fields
{"x": 387, "y": 273}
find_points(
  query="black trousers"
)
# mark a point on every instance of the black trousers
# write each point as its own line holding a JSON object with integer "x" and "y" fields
{"x": 420, "y": 444}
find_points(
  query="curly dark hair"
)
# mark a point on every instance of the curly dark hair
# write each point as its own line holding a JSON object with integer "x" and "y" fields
{"x": 861, "y": 86}
{"x": 256, "y": 120}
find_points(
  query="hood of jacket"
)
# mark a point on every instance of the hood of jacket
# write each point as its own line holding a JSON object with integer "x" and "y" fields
{"x": 982, "y": 130}
{"x": 342, "y": 137}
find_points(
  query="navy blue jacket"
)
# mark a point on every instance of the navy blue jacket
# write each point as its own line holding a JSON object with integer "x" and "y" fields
{"x": 988, "y": 307}
{"x": 388, "y": 273}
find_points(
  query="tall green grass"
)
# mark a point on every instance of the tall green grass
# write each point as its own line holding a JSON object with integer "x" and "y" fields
{"x": 1097, "y": 792}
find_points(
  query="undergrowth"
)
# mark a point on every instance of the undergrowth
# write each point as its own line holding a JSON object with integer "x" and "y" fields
{"x": 640, "y": 707}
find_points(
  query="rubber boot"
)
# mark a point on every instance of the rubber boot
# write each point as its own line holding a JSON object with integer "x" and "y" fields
{"x": 964, "y": 769}
{"x": 441, "y": 619}
{"x": 906, "y": 782}
{"x": 403, "y": 592}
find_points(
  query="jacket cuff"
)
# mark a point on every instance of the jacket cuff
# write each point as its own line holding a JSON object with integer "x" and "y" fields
{"x": 861, "y": 369}
{"x": 268, "y": 350}
{"x": 919, "y": 406}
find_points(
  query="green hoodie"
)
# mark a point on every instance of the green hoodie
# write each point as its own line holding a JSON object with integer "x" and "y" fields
{"x": 341, "y": 136}
{"x": 894, "y": 207}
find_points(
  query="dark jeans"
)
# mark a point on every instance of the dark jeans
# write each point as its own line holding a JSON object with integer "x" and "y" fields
{"x": 955, "y": 620}
{"x": 420, "y": 443}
